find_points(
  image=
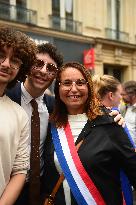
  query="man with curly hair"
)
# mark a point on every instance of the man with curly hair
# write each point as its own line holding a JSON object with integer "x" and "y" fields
{"x": 17, "y": 54}
{"x": 41, "y": 76}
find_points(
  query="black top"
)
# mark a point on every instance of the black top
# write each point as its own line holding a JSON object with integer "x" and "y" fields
{"x": 105, "y": 150}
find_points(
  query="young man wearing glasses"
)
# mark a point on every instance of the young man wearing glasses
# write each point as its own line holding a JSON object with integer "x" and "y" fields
{"x": 38, "y": 80}
{"x": 15, "y": 60}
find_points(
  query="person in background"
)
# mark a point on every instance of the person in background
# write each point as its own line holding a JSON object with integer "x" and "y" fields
{"x": 109, "y": 90}
{"x": 40, "y": 77}
{"x": 91, "y": 173}
{"x": 128, "y": 109}
{"x": 17, "y": 54}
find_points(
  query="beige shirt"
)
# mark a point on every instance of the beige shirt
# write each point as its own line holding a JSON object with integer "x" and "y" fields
{"x": 14, "y": 152}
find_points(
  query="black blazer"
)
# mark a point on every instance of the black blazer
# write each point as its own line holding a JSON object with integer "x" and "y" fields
{"x": 105, "y": 149}
{"x": 15, "y": 95}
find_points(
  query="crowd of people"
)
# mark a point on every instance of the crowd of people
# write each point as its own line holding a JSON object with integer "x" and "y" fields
{"x": 64, "y": 139}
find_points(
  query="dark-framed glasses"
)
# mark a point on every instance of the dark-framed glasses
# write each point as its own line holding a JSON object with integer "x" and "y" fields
{"x": 50, "y": 67}
{"x": 67, "y": 84}
{"x": 15, "y": 63}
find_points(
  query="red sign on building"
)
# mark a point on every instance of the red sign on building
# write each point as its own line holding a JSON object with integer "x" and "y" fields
{"x": 89, "y": 58}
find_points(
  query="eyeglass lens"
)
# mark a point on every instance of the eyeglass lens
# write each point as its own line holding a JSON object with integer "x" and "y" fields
{"x": 80, "y": 83}
{"x": 15, "y": 62}
{"x": 51, "y": 68}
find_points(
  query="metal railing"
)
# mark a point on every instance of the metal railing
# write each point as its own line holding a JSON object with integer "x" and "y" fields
{"x": 64, "y": 24}
{"x": 17, "y": 14}
{"x": 117, "y": 35}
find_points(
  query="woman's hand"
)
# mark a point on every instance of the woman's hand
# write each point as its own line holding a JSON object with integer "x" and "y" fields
{"x": 117, "y": 117}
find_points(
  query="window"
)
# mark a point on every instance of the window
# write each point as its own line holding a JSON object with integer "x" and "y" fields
{"x": 56, "y": 7}
{"x": 4, "y": 9}
{"x": 113, "y": 17}
{"x": 115, "y": 71}
{"x": 5, "y": 1}
{"x": 69, "y": 9}
{"x": 21, "y": 3}
{"x": 21, "y": 11}
{"x": 62, "y": 14}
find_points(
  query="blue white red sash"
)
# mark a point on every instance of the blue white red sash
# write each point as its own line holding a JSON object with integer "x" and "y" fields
{"x": 79, "y": 181}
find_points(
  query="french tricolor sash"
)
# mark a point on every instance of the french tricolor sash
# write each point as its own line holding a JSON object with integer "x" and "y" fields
{"x": 125, "y": 184}
{"x": 82, "y": 187}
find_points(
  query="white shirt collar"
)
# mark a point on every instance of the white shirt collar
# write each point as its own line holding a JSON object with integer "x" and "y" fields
{"x": 27, "y": 97}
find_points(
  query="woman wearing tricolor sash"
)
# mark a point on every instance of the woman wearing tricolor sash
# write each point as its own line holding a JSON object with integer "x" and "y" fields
{"x": 92, "y": 174}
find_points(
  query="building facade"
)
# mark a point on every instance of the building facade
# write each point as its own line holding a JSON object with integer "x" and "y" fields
{"x": 74, "y": 26}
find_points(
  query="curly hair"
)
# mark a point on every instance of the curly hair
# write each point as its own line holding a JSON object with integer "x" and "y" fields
{"x": 92, "y": 107}
{"x": 23, "y": 47}
{"x": 52, "y": 51}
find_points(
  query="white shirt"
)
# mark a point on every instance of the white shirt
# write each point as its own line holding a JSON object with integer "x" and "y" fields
{"x": 130, "y": 119}
{"x": 44, "y": 117}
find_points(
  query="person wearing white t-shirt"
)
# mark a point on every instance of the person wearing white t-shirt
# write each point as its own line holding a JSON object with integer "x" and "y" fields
{"x": 16, "y": 57}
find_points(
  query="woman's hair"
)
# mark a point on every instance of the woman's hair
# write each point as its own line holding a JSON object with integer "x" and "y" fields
{"x": 23, "y": 47}
{"x": 60, "y": 114}
{"x": 105, "y": 84}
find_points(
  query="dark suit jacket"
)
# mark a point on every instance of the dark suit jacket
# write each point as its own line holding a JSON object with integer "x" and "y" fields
{"x": 105, "y": 149}
{"x": 15, "y": 95}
